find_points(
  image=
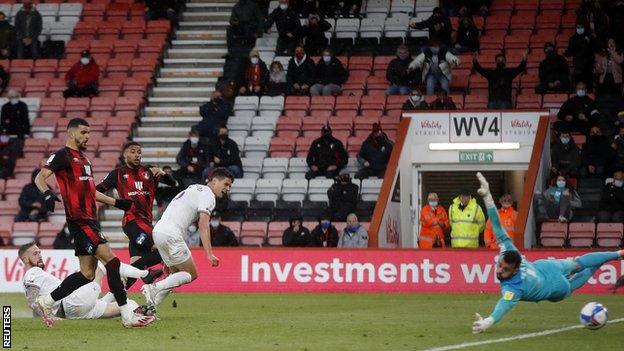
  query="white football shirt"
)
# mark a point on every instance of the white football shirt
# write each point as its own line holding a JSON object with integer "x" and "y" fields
{"x": 185, "y": 208}
{"x": 45, "y": 281}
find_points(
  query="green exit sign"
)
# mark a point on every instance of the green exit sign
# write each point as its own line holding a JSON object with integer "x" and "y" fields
{"x": 476, "y": 156}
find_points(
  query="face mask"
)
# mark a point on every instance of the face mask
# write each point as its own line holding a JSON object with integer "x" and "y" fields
{"x": 580, "y": 31}
{"x": 565, "y": 140}
{"x": 254, "y": 60}
{"x": 214, "y": 223}
{"x": 223, "y": 136}
{"x": 325, "y": 225}
{"x": 84, "y": 60}
{"x": 561, "y": 184}
{"x": 433, "y": 204}
{"x": 284, "y": 7}
{"x": 403, "y": 56}
{"x": 416, "y": 98}
{"x": 581, "y": 92}
{"x": 327, "y": 58}
{"x": 299, "y": 56}
{"x": 14, "y": 101}
{"x": 192, "y": 228}
{"x": 618, "y": 183}
{"x": 194, "y": 140}
{"x": 352, "y": 228}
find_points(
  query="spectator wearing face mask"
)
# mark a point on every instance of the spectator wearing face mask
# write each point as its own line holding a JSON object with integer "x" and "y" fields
{"x": 325, "y": 234}
{"x": 330, "y": 74}
{"x": 220, "y": 234}
{"x": 508, "y": 218}
{"x": 14, "y": 117}
{"x": 224, "y": 152}
{"x": 439, "y": 27}
{"x": 553, "y": 72}
{"x": 248, "y": 16}
{"x": 277, "y": 80}
{"x": 595, "y": 154}
{"x": 83, "y": 77}
{"x": 215, "y": 114}
{"x": 565, "y": 158}
{"x": 398, "y": 74}
{"x": 415, "y": 102}
{"x": 611, "y": 206}
{"x": 592, "y": 14}
{"x": 581, "y": 48}
{"x": 374, "y": 154}
{"x": 28, "y": 26}
{"x": 327, "y": 156}
{"x": 300, "y": 75}
{"x": 7, "y": 37}
{"x": 192, "y": 159}
{"x": 578, "y": 113}
{"x": 343, "y": 198}
{"x": 558, "y": 201}
{"x": 467, "y": 36}
{"x": 254, "y": 75}
{"x": 608, "y": 69}
{"x": 296, "y": 235}
{"x": 314, "y": 33}
{"x": 434, "y": 222}
{"x": 442, "y": 102}
{"x": 354, "y": 236}
{"x": 288, "y": 27}
{"x": 500, "y": 80}
{"x": 435, "y": 62}
{"x": 467, "y": 221}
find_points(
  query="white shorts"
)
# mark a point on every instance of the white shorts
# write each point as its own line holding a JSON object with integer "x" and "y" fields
{"x": 172, "y": 248}
{"x": 84, "y": 303}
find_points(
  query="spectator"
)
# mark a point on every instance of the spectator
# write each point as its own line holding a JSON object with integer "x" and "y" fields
{"x": 439, "y": 27}
{"x": 508, "y": 218}
{"x": 215, "y": 114}
{"x": 306, "y": 8}
{"x": 297, "y": 235}
{"x": 300, "y": 75}
{"x": 166, "y": 193}
{"x": 220, "y": 234}
{"x": 327, "y": 156}
{"x": 7, "y": 37}
{"x": 578, "y": 113}
{"x": 192, "y": 159}
{"x": 415, "y": 102}
{"x": 591, "y": 14}
{"x": 611, "y": 206}
{"x": 240, "y": 38}
{"x": 4, "y": 79}
{"x": 340, "y": 8}
{"x": 325, "y": 234}
{"x": 254, "y": 75}
{"x": 31, "y": 202}
{"x": 467, "y": 221}
{"x": 14, "y": 117}
{"x": 553, "y": 72}
{"x": 434, "y": 222}
{"x": 28, "y": 26}
{"x": 223, "y": 152}
{"x": 618, "y": 146}
{"x": 558, "y": 201}
{"x": 435, "y": 62}
{"x": 443, "y": 101}
{"x": 343, "y": 198}
{"x": 64, "y": 239}
{"x": 330, "y": 75}
{"x": 354, "y": 236}
{"x": 277, "y": 80}
{"x": 500, "y": 80}
{"x": 581, "y": 49}
{"x": 467, "y": 36}
{"x": 7, "y": 155}
{"x": 159, "y": 9}
{"x": 399, "y": 75}
{"x": 248, "y": 18}
{"x": 288, "y": 27}
{"x": 314, "y": 34}
{"x": 565, "y": 158}
{"x": 608, "y": 69}
{"x": 374, "y": 154}
{"x": 596, "y": 152}
{"x": 82, "y": 78}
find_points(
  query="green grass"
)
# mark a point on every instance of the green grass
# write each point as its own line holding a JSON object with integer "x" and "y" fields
{"x": 323, "y": 322}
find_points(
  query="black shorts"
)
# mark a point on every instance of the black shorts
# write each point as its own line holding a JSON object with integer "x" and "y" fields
{"x": 87, "y": 237}
{"x": 140, "y": 238}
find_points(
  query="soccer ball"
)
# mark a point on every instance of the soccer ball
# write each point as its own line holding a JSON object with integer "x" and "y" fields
{"x": 594, "y": 316}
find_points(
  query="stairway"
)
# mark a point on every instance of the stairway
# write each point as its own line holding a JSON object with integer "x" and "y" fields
{"x": 191, "y": 67}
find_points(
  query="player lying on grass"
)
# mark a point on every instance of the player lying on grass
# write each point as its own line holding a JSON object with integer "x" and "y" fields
{"x": 196, "y": 201}
{"x": 83, "y": 303}
{"x": 542, "y": 280}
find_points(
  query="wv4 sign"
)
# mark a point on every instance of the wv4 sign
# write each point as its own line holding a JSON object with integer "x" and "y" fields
{"x": 475, "y": 127}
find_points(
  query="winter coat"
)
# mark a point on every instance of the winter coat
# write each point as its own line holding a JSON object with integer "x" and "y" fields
{"x": 565, "y": 158}
{"x": 554, "y": 67}
{"x": 227, "y": 152}
{"x": 188, "y": 156}
{"x": 596, "y": 151}
{"x": 325, "y": 239}
{"x": 326, "y": 152}
{"x": 249, "y": 14}
{"x": 445, "y": 61}
{"x": 398, "y": 73}
{"x": 83, "y": 75}
{"x": 302, "y": 73}
{"x": 33, "y": 30}
{"x": 500, "y": 80}
{"x": 357, "y": 240}
{"x": 376, "y": 153}
{"x": 286, "y": 22}
{"x": 14, "y": 118}
{"x": 214, "y": 116}
{"x": 602, "y": 62}
{"x": 332, "y": 73}
{"x": 300, "y": 238}
{"x": 612, "y": 198}
{"x": 343, "y": 197}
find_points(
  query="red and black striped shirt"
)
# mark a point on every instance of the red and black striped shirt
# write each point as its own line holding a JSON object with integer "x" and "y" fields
{"x": 75, "y": 179}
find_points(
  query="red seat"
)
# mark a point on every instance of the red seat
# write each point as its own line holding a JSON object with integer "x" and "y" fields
{"x": 581, "y": 234}
{"x": 6, "y": 228}
{"x": 282, "y": 147}
{"x": 354, "y": 144}
{"x": 313, "y": 124}
{"x": 341, "y": 123}
{"x": 377, "y": 102}
{"x": 297, "y": 103}
{"x": 528, "y": 101}
{"x": 21, "y": 69}
{"x": 347, "y": 103}
{"x": 609, "y": 234}
{"x": 322, "y": 103}
{"x": 235, "y": 227}
{"x": 553, "y": 234}
{"x": 276, "y": 231}
{"x": 302, "y": 145}
{"x": 24, "y": 232}
{"x": 118, "y": 68}
{"x": 364, "y": 63}
{"x": 85, "y": 30}
{"x": 125, "y": 48}
{"x": 48, "y": 232}
{"x": 289, "y": 123}
{"x": 554, "y": 100}
{"x": 253, "y": 233}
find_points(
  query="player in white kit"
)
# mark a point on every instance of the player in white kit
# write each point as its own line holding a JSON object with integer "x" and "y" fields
{"x": 83, "y": 303}
{"x": 196, "y": 202}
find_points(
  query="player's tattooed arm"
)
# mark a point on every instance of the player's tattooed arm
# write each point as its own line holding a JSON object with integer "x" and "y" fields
{"x": 32, "y": 292}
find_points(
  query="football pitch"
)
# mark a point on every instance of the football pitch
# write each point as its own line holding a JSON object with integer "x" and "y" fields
{"x": 326, "y": 322}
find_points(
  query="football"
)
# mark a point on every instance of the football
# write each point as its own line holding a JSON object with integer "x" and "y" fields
{"x": 594, "y": 316}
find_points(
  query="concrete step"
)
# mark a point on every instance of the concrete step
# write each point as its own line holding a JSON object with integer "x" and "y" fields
{"x": 158, "y": 141}
{"x": 214, "y": 64}
{"x": 202, "y": 5}
{"x": 195, "y": 14}
{"x": 195, "y": 53}
{"x": 160, "y": 151}
{"x": 188, "y": 34}
{"x": 169, "y": 131}
{"x": 202, "y": 25}
{"x": 162, "y": 161}
{"x": 185, "y": 82}
{"x": 198, "y": 94}
{"x": 176, "y": 101}
{"x": 197, "y": 43}
{"x": 169, "y": 121}
{"x": 171, "y": 111}
{"x": 212, "y": 73}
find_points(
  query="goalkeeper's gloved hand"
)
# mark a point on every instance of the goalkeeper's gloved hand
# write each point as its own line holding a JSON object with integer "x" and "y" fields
{"x": 123, "y": 204}
{"x": 480, "y": 325}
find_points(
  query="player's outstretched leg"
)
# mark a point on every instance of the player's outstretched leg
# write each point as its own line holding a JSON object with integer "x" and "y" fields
{"x": 588, "y": 264}
{"x": 184, "y": 273}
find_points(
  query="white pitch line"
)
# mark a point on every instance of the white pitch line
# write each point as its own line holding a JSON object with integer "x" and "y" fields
{"x": 511, "y": 338}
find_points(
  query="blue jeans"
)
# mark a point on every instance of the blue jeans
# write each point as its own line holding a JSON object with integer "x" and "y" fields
{"x": 34, "y": 48}
{"x": 433, "y": 78}
{"x": 236, "y": 171}
{"x": 395, "y": 89}
{"x": 499, "y": 105}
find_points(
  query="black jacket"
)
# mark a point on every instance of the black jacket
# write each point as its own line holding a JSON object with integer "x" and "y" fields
{"x": 64, "y": 240}
{"x": 302, "y": 74}
{"x": 612, "y": 198}
{"x": 249, "y": 15}
{"x": 33, "y": 29}
{"x": 188, "y": 155}
{"x": 443, "y": 104}
{"x": 228, "y": 153}
{"x": 331, "y": 236}
{"x": 14, "y": 119}
{"x": 30, "y": 194}
{"x": 315, "y": 37}
{"x": 214, "y": 116}
{"x": 500, "y": 80}
{"x": 468, "y": 37}
{"x": 301, "y": 238}
{"x": 343, "y": 197}
{"x": 596, "y": 151}
{"x": 565, "y": 158}
{"x": 222, "y": 236}
{"x": 286, "y": 22}
{"x": 326, "y": 152}
{"x": 376, "y": 152}
{"x": 7, "y": 35}
{"x": 332, "y": 73}
{"x": 399, "y": 74}
{"x": 554, "y": 67}
{"x": 442, "y": 34}
{"x": 581, "y": 49}
{"x": 408, "y": 105}
{"x": 576, "y": 105}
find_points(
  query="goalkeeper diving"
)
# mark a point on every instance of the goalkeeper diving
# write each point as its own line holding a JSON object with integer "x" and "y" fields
{"x": 522, "y": 280}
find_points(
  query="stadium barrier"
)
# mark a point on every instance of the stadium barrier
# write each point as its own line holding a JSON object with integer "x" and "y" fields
{"x": 327, "y": 270}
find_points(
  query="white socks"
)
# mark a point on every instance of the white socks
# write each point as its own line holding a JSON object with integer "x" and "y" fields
{"x": 128, "y": 271}
{"x": 161, "y": 295}
{"x": 173, "y": 280}
{"x": 109, "y": 297}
